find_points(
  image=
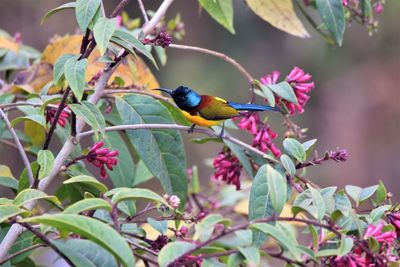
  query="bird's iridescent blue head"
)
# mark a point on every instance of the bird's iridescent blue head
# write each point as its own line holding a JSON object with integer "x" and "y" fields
{"x": 184, "y": 97}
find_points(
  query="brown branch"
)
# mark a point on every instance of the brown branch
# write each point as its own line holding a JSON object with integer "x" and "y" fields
{"x": 22, "y": 251}
{"x": 118, "y": 9}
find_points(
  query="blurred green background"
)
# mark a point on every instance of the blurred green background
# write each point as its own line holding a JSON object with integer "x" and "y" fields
{"x": 354, "y": 105}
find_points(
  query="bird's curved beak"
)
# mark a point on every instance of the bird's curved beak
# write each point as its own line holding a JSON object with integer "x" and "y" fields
{"x": 165, "y": 90}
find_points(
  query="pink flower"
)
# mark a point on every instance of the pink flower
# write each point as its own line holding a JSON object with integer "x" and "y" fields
{"x": 250, "y": 122}
{"x": 62, "y": 119}
{"x": 345, "y": 2}
{"x": 119, "y": 20}
{"x": 102, "y": 157}
{"x": 227, "y": 168}
{"x": 394, "y": 219}
{"x": 301, "y": 83}
{"x": 263, "y": 141}
{"x": 173, "y": 200}
{"x": 378, "y": 7}
{"x": 375, "y": 231}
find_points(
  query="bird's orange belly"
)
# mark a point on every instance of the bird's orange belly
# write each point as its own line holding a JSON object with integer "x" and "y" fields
{"x": 199, "y": 120}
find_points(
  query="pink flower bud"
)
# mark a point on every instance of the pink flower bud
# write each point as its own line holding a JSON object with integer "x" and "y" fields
{"x": 174, "y": 201}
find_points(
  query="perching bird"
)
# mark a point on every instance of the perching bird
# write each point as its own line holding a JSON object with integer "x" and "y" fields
{"x": 207, "y": 110}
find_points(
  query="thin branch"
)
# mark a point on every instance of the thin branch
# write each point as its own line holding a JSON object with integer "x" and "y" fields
{"x": 22, "y": 251}
{"x": 135, "y": 91}
{"x": 143, "y": 10}
{"x": 9, "y": 143}
{"x": 144, "y": 258}
{"x": 118, "y": 9}
{"x": 230, "y": 60}
{"x": 177, "y": 127}
{"x": 142, "y": 247}
{"x": 148, "y": 27}
{"x": 20, "y": 148}
{"x": 45, "y": 240}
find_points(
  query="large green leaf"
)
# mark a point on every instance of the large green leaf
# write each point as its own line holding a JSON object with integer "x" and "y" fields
{"x": 90, "y": 114}
{"x": 88, "y": 204}
{"x": 36, "y": 118}
{"x": 70, "y": 5}
{"x": 260, "y": 205}
{"x": 58, "y": 71}
{"x": 252, "y": 255}
{"x": 75, "y": 72}
{"x": 30, "y": 194}
{"x": 85, "y": 253}
{"x": 277, "y": 187}
{"x": 288, "y": 164}
{"x": 8, "y": 211}
{"x": 137, "y": 193}
{"x": 172, "y": 251}
{"x": 332, "y": 14}
{"x": 46, "y": 161}
{"x": 205, "y": 228}
{"x": 92, "y": 229}
{"x": 161, "y": 150}
{"x": 318, "y": 202}
{"x": 10, "y": 182}
{"x": 103, "y": 31}
{"x": 124, "y": 174}
{"x": 85, "y": 11}
{"x": 284, "y": 90}
{"x": 132, "y": 42}
{"x": 221, "y": 11}
{"x": 295, "y": 149}
{"x": 87, "y": 180}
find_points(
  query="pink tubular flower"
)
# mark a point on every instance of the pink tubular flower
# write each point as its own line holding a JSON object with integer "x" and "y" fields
{"x": 263, "y": 141}
{"x": 339, "y": 155}
{"x": 301, "y": 83}
{"x": 227, "y": 168}
{"x": 119, "y": 20}
{"x": 345, "y": 2}
{"x": 62, "y": 119}
{"x": 394, "y": 219}
{"x": 378, "y": 7}
{"x": 250, "y": 122}
{"x": 102, "y": 157}
{"x": 375, "y": 231}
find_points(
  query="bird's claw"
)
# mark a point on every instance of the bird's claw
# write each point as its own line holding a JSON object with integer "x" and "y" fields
{"x": 191, "y": 129}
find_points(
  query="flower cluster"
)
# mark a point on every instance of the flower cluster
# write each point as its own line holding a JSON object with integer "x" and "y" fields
{"x": 263, "y": 134}
{"x": 394, "y": 219}
{"x": 102, "y": 157}
{"x": 339, "y": 155}
{"x": 301, "y": 84}
{"x": 163, "y": 39}
{"x": 62, "y": 119}
{"x": 173, "y": 200}
{"x": 227, "y": 168}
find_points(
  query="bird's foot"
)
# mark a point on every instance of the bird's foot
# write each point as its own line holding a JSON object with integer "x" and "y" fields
{"x": 191, "y": 129}
{"x": 221, "y": 134}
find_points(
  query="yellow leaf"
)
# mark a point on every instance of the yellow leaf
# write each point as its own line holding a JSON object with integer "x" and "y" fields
{"x": 151, "y": 233}
{"x": 5, "y": 171}
{"x": 280, "y": 14}
{"x": 33, "y": 79}
{"x": 9, "y": 44}
{"x": 35, "y": 131}
{"x": 243, "y": 208}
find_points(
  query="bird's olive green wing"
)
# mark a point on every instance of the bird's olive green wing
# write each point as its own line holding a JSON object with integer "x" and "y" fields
{"x": 214, "y": 108}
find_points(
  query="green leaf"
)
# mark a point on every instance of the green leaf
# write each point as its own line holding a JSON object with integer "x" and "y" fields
{"x": 58, "y": 71}
{"x": 85, "y": 11}
{"x": 92, "y": 229}
{"x": 205, "y": 228}
{"x": 161, "y": 150}
{"x": 130, "y": 39}
{"x": 85, "y": 253}
{"x": 221, "y": 11}
{"x": 28, "y": 195}
{"x": 136, "y": 193}
{"x": 295, "y": 149}
{"x": 280, "y": 14}
{"x": 284, "y": 240}
{"x": 142, "y": 174}
{"x": 381, "y": 193}
{"x": 124, "y": 174}
{"x": 160, "y": 226}
{"x": 172, "y": 251}
{"x": 10, "y": 182}
{"x": 359, "y": 194}
{"x": 343, "y": 204}
{"x": 327, "y": 252}
{"x": 268, "y": 94}
{"x": 315, "y": 236}
{"x": 87, "y": 180}
{"x": 252, "y": 255}
{"x": 36, "y": 118}
{"x": 161, "y": 55}
{"x": 277, "y": 187}
{"x": 91, "y": 115}
{"x": 368, "y": 192}
{"x": 45, "y": 160}
{"x": 288, "y": 164}
{"x": 57, "y": 9}
{"x": 318, "y": 202}
{"x": 24, "y": 240}
{"x": 377, "y": 213}
{"x": 88, "y": 204}
{"x": 234, "y": 260}
{"x": 346, "y": 244}
{"x": 366, "y": 8}
{"x": 309, "y": 146}
{"x": 75, "y": 72}
{"x": 103, "y": 31}
{"x": 260, "y": 205}
{"x": 8, "y": 210}
{"x": 284, "y": 90}
{"x": 332, "y": 14}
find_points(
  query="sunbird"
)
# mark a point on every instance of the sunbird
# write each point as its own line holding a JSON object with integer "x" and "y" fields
{"x": 207, "y": 110}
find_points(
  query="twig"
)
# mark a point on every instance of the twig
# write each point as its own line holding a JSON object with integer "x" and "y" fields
{"x": 22, "y": 251}
{"x": 143, "y": 10}
{"x": 19, "y": 146}
{"x": 118, "y": 9}
{"x": 68, "y": 146}
{"x": 230, "y": 60}
{"x": 8, "y": 143}
{"x": 144, "y": 258}
{"x": 135, "y": 91}
{"x": 45, "y": 240}
{"x": 142, "y": 248}
{"x": 148, "y": 27}
{"x": 177, "y": 127}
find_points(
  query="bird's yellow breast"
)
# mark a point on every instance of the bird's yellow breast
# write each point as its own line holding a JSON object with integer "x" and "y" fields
{"x": 199, "y": 120}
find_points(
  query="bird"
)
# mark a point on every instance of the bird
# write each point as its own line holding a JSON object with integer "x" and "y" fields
{"x": 208, "y": 110}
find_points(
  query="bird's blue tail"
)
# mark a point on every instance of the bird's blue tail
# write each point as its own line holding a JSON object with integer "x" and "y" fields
{"x": 252, "y": 107}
